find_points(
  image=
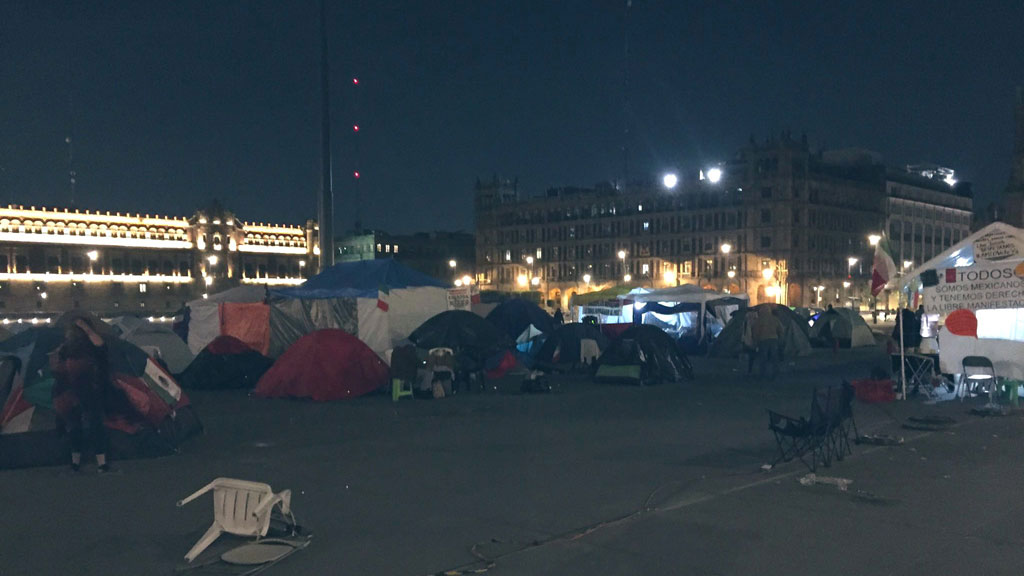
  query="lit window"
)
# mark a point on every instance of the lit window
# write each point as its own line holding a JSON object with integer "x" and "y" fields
{"x": 378, "y": 247}
{"x": 396, "y": 248}
{"x": 539, "y": 253}
{"x": 647, "y": 226}
{"x": 508, "y": 255}
{"x": 639, "y": 207}
{"x": 645, "y": 269}
{"x": 387, "y": 248}
{"x": 142, "y": 288}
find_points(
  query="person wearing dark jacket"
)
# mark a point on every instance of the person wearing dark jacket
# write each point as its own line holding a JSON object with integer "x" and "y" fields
{"x": 82, "y": 381}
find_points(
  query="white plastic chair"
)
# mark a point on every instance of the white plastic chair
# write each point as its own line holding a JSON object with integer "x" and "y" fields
{"x": 241, "y": 508}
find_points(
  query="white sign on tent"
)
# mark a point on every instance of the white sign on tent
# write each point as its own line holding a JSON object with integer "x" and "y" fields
{"x": 978, "y": 287}
{"x": 997, "y": 245}
{"x": 460, "y": 298}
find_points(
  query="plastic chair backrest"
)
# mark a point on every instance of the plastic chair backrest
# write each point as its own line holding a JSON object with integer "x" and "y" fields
{"x": 234, "y": 502}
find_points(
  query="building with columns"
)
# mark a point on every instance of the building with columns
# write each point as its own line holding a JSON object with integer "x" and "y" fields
{"x": 57, "y": 259}
{"x": 778, "y": 222}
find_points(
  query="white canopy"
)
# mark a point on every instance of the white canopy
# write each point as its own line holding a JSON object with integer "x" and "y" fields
{"x": 997, "y": 242}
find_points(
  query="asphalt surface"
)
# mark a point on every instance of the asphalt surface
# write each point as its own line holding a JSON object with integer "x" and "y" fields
{"x": 586, "y": 480}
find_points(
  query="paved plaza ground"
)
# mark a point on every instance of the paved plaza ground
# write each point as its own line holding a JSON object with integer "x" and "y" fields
{"x": 586, "y": 480}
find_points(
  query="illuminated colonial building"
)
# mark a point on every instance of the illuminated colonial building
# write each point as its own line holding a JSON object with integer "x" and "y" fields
{"x": 778, "y": 222}
{"x": 56, "y": 259}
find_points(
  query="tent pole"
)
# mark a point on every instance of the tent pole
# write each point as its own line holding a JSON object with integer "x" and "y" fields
{"x": 903, "y": 338}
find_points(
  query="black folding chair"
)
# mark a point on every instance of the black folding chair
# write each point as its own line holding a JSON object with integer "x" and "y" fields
{"x": 979, "y": 373}
{"x": 812, "y": 440}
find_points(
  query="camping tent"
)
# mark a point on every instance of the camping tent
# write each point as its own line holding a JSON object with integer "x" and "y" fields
{"x": 643, "y": 354}
{"x": 156, "y": 340}
{"x": 146, "y": 414}
{"x": 845, "y": 325}
{"x": 565, "y": 347}
{"x": 239, "y": 312}
{"x": 603, "y": 304}
{"x": 795, "y": 342}
{"x": 516, "y": 316}
{"x": 324, "y": 365}
{"x": 687, "y": 312}
{"x": 380, "y": 301}
{"x": 227, "y": 362}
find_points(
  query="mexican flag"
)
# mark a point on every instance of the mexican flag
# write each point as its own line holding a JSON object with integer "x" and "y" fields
{"x": 383, "y": 293}
{"x": 883, "y": 269}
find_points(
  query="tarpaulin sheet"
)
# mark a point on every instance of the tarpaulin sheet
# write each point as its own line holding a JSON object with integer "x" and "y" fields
{"x": 249, "y": 322}
{"x": 203, "y": 327}
{"x": 290, "y": 319}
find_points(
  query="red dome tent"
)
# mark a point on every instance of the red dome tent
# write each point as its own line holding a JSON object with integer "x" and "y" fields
{"x": 324, "y": 365}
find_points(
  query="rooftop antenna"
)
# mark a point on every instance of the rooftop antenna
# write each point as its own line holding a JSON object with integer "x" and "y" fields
{"x": 358, "y": 224}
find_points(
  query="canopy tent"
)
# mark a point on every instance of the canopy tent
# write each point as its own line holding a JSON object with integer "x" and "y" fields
{"x": 568, "y": 346}
{"x": 145, "y": 412}
{"x": 687, "y": 312}
{"x": 603, "y": 304}
{"x": 379, "y": 301}
{"x": 795, "y": 342}
{"x": 643, "y": 354}
{"x": 157, "y": 340}
{"x": 844, "y": 325}
{"x": 225, "y": 363}
{"x": 324, "y": 365}
{"x": 997, "y": 242}
{"x": 240, "y": 312}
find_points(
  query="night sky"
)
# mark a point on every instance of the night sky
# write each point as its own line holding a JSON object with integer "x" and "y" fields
{"x": 172, "y": 103}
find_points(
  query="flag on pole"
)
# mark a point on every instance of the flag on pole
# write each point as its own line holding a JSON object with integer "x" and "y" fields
{"x": 883, "y": 269}
{"x": 383, "y": 293}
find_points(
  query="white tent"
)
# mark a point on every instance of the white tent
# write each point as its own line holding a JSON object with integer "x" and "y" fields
{"x": 997, "y": 242}
{"x": 204, "y": 321}
{"x": 685, "y": 310}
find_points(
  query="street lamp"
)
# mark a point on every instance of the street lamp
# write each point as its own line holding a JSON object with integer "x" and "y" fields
{"x": 873, "y": 239}
{"x": 726, "y": 248}
{"x": 535, "y": 281}
{"x": 670, "y": 180}
{"x": 849, "y": 268}
{"x": 529, "y": 260}
{"x": 714, "y": 175}
{"x": 767, "y": 273}
{"x": 627, "y": 277}
{"x": 93, "y": 255}
{"x": 466, "y": 280}
{"x": 669, "y": 277}
{"x": 586, "y": 278}
{"x": 907, "y": 264}
{"x": 452, "y": 264}
{"x": 522, "y": 280}
{"x": 622, "y": 257}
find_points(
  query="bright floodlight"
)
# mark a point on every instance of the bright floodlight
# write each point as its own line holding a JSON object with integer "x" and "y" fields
{"x": 670, "y": 276}
{"x": 535, "y": 281}
{"x": 458, "y": 283}
{"x": 731, "y": 274}
{"x": 93, "y": 255}
{"x": 714, "y": 175}
{"x": 212, "y": 259}
{"x": 726, "y": 248}
{"x": 529, "y": 259}
{"x": 771, "y": 290}
{"x": 521, "y": 280}
{"x": 767, "y": 273}
{"x": 627, "y": 277}
{"x": 586, "y": 278}
{"x": 467, "y": 280}
{"x": 908, "y": 263}
{"x": 622, "y": 254}
{"x": 846, "y": 284}
{"x": 670, "y": 180}
{"x": 452, "y": 263}
{"x": 851, "y": 260}
{"x": 873, "y": 239}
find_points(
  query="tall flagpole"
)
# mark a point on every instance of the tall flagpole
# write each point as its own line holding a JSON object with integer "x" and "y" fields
{"x": 326, "y": 212}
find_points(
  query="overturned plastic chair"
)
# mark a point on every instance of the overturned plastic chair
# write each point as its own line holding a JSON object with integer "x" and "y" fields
{"x": 241, "y": 508}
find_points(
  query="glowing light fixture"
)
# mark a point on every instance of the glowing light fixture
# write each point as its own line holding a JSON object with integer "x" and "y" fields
{"x": 458, "y": 283}
{"x": 522, "y": 280}
{"x": 714, "y": 175}
{"x": 586, "y": 278}
{"x": 466, "y": 280}
{"x": 93, "y": 255}
{"x": 670, "y": 180}
{"x": 212, "y": 259}
{"x": 669, "y": 276}
{"x": 873, "y": 239}
{"x": 726, "y": 248}
{"x": 535, "y": 281}
{"x": 627, "y": 277}
{"x": 731, "y": 273}
{"x": 767, "y": 273}
{"x": 452, "y": 263}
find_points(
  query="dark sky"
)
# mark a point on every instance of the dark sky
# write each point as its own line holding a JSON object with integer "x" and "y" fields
{"x": 173, "y": 103}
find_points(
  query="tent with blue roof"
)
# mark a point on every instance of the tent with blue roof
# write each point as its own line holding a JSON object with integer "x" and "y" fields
{"x": 379, "y": 301}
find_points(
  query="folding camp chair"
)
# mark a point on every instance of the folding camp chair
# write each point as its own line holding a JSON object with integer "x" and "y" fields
{"x": 241, "y": 508}
{"x": 812, "y": 440}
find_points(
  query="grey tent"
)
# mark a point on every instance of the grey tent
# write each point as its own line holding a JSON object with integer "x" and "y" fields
{"x": 157, "y": 340}
{"x": 795, "y": 342}
{"x": 845, "y": 325}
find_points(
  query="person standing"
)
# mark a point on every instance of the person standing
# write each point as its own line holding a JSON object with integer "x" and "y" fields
{"x": 82, "y": 373}
{"x": 558, "y": 318}
{"x": 767, "y": 331}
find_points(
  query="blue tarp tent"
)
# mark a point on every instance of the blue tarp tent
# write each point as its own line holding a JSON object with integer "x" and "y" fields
{"x": 379, "y": 301}
{"x": 361, "y": 279}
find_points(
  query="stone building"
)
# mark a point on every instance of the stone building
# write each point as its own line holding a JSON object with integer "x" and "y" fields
{"x": 778, "y": 222}
{"x": 56, "y": 259}
{"x": 428, "y": 252}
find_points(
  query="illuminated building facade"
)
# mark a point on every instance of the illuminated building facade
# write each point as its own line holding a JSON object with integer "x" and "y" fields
{"x": 778, "y": 222}
{"x": 57, "y": 259}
